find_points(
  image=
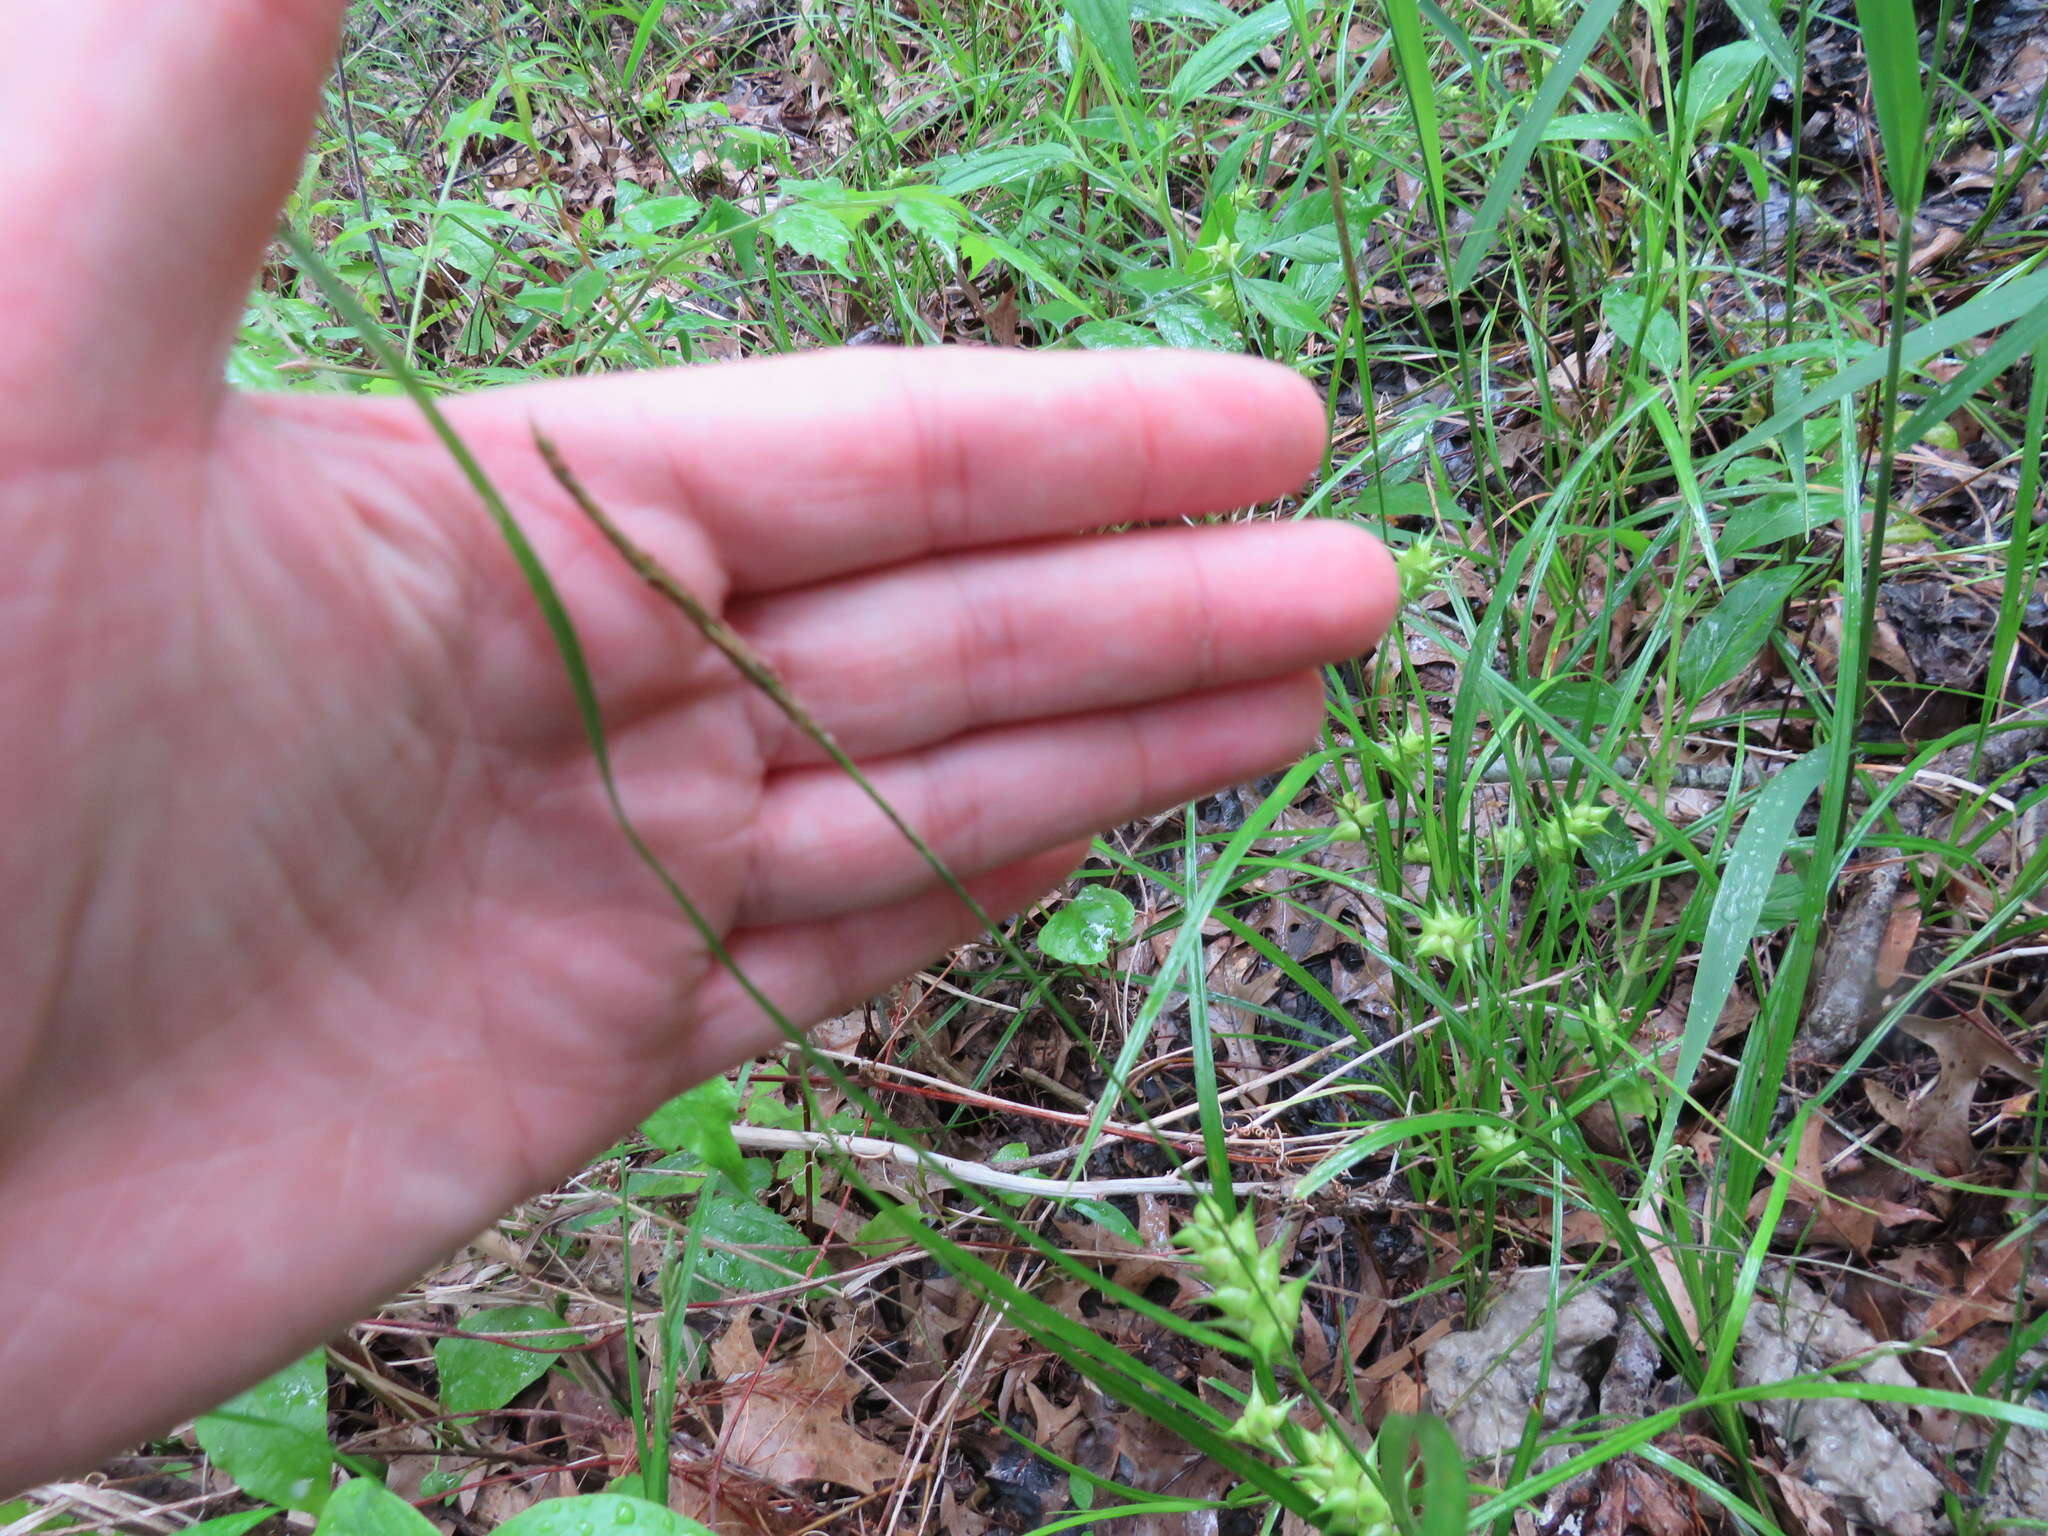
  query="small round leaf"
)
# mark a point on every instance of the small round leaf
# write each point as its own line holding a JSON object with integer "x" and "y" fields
{"x": 1086, "y": 929}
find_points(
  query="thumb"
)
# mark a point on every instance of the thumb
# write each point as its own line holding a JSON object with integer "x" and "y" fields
{"x": 150, "y": 146}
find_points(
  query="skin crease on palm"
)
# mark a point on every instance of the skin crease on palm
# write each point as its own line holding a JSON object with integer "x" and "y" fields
{"x": 321, "y": 947}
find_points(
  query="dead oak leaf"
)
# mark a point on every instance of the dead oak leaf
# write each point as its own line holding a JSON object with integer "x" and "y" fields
{"x": 1986, "y": 1294}
{"x": 786, "y": 1421}
{"x": 1939, "y": 1119}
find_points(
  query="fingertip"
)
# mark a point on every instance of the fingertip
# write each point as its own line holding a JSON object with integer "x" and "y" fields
{"x": 1363, "y": 570}
{"x": 1280, "y": 413}
{"x": 1301, "y": 420}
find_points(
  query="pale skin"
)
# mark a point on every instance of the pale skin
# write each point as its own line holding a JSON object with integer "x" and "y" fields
{"x": 320, "y": 945}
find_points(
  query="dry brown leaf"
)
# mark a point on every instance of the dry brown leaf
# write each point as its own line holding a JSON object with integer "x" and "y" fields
{"x": 1833, "y": 1219}
{"x": 1939, "y": 1119}
{"x": 1986, "y": 1295}
{"x": 1813, "y": 1512}
{"x": 786, "y": 1421}
{"x": 1634, "y": 1496}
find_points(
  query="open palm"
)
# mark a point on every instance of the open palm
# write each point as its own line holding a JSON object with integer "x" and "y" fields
{"x": 322, "y": 946}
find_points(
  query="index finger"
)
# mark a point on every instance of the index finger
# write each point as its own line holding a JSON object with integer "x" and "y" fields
{"x": 804, "y": 469}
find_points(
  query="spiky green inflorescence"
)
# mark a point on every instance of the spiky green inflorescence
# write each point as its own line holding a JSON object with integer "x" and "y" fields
{"x": 1356, "y": 816}
{"x": 1420, "y": 568}
{"x": 1562, "y": 835}
{"x": 1348, "y": 1501}
{"x": 1497, "y": 1146}
{"x": 1407, "y": 755}
{"x": 1263, "y": 1421}
{"x": 1246, "y": 1286}
{"x": 1508, "y": 842}
{"x": 1448, "y": 934}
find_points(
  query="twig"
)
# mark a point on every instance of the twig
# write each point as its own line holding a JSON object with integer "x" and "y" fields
{"x": 761, "y": 1138}
{"x": 1846, "y": 997}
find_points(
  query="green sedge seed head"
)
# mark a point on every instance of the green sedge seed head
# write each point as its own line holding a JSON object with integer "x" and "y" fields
{"x": 1509, "y": 842}
{"x": 1348, "y": 1501}
{"x": 1356, "y": 816}
{"x": 1586, "y": 819}
{"x": 1499, "y": 1146}
{"x": 1262, "y": 1421}
{"x": 1604, "y": 1017}
{"x": 1421, "y": 567}
{"x": 1408, "y": 752}
{"x": 1222, "y": 253}
{"x": 1449, "y": 935}
{"x": 1245, "y": 1287}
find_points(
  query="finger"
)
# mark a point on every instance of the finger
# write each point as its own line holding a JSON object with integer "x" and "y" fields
{"x": 803, "y": 469}
{"x": 984, "y": 801}
{"x": 153, "y": 145}
{"x": 926, "y": 652}
{"x": 813, "y": 970}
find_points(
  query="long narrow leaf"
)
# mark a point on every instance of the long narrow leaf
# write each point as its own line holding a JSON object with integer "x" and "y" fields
{"x": 1891, "y": 47}
{"x": 1106, "y": 27}
{"x": 1745, "y": 885}
{"x": 1506, "y": 178}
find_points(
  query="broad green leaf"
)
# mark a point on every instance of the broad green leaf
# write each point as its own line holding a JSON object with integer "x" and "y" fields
{"x": 998, "y": 166}
{"x": 471, "y": 119}
{"x": 1663, "y": 344}
{"x": 1586, "y": 127}
{"x": 1891, "y": 47}
{"x": 1227, "y": 51}
{"x": 1411, "y": 60}
{"x": 1098, "y": 335}
{"x": 478, "y": 1375}
{"x": 364, "y": 1507}
{"x": 272, "y": 1440}
{"x": 1714, "y": 81}
{"x": 1771, "y": 520}
{"x": 1086, "y": 929}
{"x": 700, "y": 1122}
{"x": 747, "y": 1247}
{"x": 1210, "y": 11}
{"x": 810, "y": 230}
{"x": 1759, "y": 19}
{"x": 1106, "y": 26}
{"x": 652, "y": 215}
{"x": 601, "y": 1514}
{"x": 462, "y": 236}
{"x": 1721, "y": 644}
{"x": 241, "y": 1521}
{"x": 1281, "y": 305}
{"x": 933, "y": 219}
{"x": 1195, "y": 325}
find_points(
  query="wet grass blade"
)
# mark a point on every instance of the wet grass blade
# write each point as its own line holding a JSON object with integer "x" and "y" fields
{"x": 1891, "y": 47}
{"x": 1745, "y": 884}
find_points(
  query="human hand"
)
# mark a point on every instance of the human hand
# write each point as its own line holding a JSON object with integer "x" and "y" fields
{"x": 323, "y": 947}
